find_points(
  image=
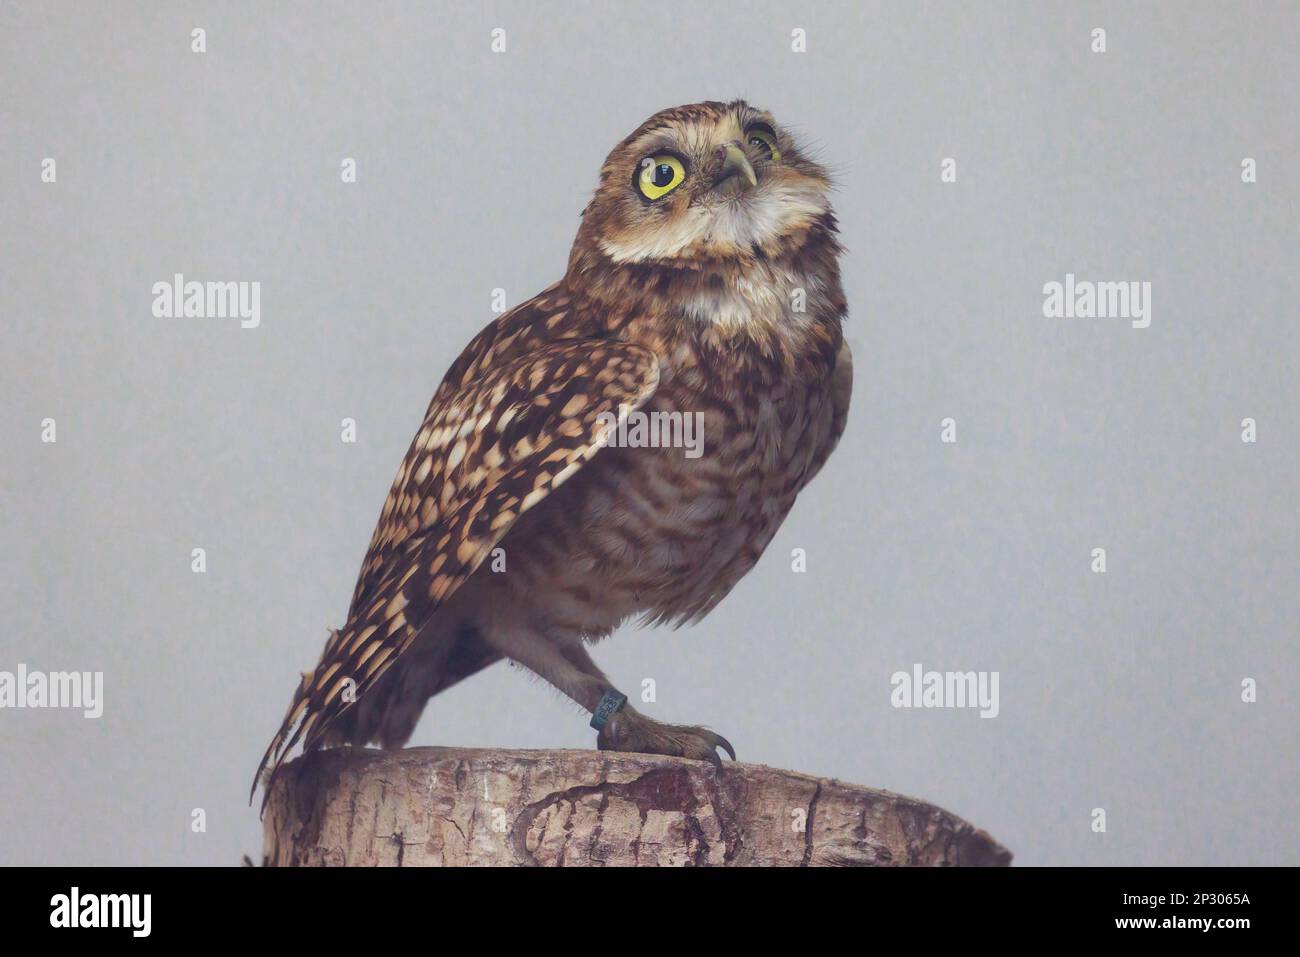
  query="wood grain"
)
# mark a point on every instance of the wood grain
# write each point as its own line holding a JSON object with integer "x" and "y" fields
{"x": 452, "y": 806}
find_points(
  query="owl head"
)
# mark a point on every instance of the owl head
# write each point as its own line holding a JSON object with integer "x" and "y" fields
{"x": 708, "y": 181}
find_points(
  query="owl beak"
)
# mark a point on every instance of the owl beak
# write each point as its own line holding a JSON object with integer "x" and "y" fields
{"x": 735, "y": 163}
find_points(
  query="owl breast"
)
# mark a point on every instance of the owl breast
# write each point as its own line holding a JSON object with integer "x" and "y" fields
{"x": 665, "y": 530}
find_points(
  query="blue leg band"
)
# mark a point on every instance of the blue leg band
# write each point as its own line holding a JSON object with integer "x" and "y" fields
{"x": 605, "y": 710}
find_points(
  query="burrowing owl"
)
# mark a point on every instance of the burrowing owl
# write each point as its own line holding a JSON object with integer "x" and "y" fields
{"x": 527, "y": 520}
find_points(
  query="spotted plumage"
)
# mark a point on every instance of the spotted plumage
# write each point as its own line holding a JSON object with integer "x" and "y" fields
{"x": 703, "y": 282}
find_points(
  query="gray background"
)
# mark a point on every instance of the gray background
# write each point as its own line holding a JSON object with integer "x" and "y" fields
{"x": 1118, "y": 691}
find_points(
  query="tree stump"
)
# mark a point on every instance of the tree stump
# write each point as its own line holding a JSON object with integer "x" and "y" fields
{"x": 462, "y": 806}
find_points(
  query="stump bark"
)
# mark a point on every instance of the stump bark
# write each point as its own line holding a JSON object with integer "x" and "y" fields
{"x": 462, "y": 806}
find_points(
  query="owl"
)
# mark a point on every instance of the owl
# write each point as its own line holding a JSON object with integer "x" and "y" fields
{"x": 551, "y": 492}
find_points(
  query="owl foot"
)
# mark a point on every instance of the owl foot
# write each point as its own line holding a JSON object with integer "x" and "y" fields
{"x": 628, "y": 730}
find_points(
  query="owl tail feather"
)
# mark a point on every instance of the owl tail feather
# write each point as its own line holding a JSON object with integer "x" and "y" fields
{"x": 279, "y": 749}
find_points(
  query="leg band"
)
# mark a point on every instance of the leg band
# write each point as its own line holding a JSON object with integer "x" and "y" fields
{"x": 605, "y": 710}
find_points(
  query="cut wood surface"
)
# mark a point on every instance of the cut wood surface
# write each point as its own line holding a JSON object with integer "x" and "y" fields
{"x": 465, "y": 806}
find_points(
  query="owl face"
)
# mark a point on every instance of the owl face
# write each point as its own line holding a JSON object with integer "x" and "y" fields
{"x": 707, "y": 181}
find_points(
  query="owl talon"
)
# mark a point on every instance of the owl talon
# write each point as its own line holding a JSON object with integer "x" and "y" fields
{"x": 630, "y": 731}
{"x": 725, "y": 745}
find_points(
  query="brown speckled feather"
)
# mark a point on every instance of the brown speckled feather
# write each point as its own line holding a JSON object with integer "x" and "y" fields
{"x": 496, "y": 440}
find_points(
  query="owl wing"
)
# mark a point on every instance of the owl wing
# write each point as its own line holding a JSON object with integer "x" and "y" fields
{"x": 528, "y": 328}
{"x": 488, "y": 451}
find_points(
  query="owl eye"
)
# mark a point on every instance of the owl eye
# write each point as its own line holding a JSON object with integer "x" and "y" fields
{"x": 762, "y": 138}
{"x": 660, "y": 175}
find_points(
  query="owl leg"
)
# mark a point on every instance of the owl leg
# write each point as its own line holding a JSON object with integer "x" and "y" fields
{"x": 629, "y": 730}
{"x": 554, "y": 660}
{"x": 569, "y": 668}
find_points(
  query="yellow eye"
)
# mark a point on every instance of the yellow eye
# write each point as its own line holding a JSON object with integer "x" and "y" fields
{"x": 762, "y": 139}
{"x": 660, "y": 175}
